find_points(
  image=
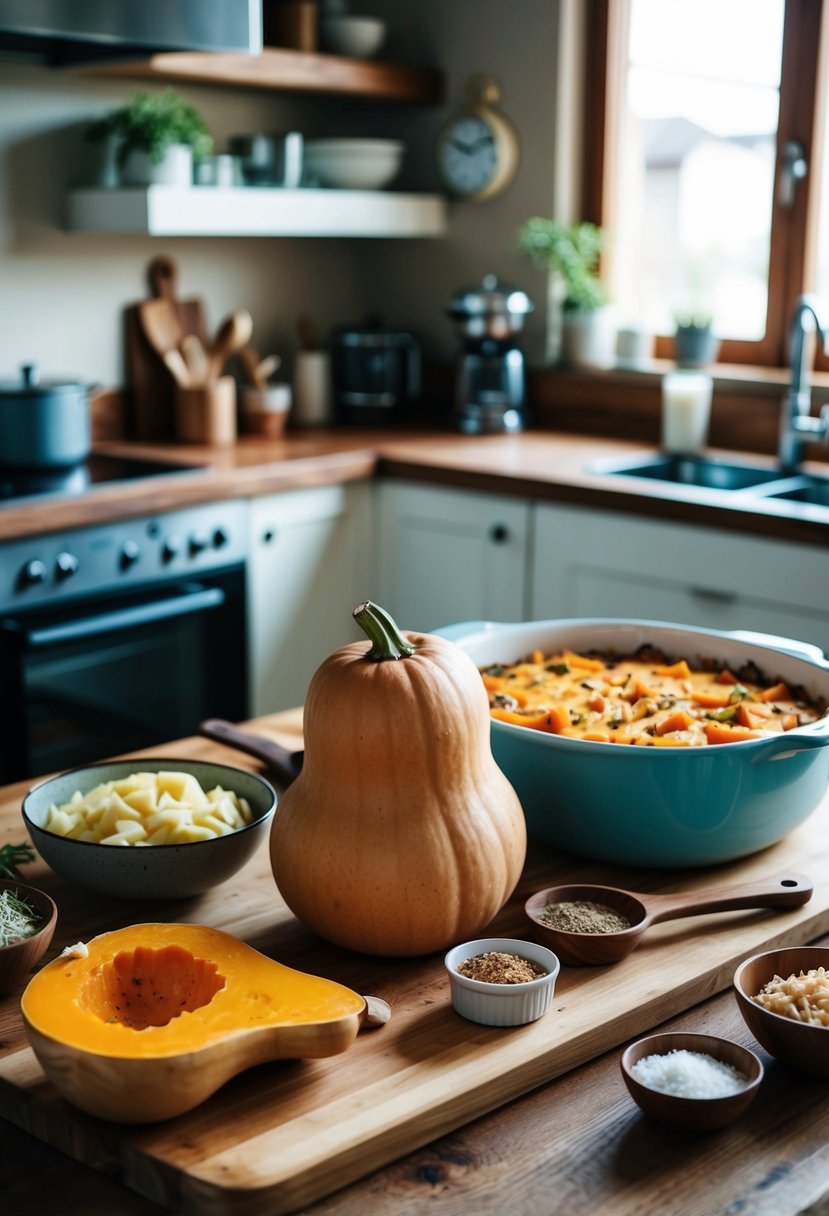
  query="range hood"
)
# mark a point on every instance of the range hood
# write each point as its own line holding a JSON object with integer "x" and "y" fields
{"x": 73, "y": 31}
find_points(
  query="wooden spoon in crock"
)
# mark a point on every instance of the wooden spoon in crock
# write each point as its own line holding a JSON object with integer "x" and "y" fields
{"x": 597, "y": 949}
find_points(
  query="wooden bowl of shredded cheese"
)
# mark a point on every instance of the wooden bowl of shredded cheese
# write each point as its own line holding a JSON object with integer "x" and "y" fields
{"x": 27, "y": 924}
{"x": 149, "y": 828}
{"x": 783, "y": 996}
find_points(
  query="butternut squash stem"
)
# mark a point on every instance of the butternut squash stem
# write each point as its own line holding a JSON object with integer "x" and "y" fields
{"x": 387, "y": 642}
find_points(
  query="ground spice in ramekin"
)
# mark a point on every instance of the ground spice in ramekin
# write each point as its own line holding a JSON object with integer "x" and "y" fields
{"x": 497, "y": 967}
{"x": 583, "y": 916}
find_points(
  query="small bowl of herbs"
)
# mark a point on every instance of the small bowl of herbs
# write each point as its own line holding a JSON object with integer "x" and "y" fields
{"x": 27, "y": 922}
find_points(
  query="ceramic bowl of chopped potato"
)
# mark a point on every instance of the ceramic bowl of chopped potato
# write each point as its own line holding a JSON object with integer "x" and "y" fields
{"x": 783, "y": 996}
{"x": 149, "y": 828}
{"x": 654, "y": 744}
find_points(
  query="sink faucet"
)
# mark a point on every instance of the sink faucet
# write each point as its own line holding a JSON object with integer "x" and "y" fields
{"x": 796, "y": 422}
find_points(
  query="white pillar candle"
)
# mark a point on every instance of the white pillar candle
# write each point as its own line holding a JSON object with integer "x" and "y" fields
{"x": 312, "y": 388}
{"x": 686, "y": 409}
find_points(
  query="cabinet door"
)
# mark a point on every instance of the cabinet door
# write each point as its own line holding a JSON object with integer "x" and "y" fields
{"x": 311, "y": 556}
{"x": 596, "y": 563}
{"x": 451, "y": 555}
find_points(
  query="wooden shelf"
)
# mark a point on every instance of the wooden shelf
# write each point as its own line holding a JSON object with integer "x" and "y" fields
{"x": 255, "y": 211}
{"x": 286, "y": 71}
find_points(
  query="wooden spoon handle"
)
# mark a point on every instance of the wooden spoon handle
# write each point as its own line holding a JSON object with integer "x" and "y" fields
{"x": 285, "y": 764}
{"x": 177, "y": 367}
{"x": 779, "y": 891}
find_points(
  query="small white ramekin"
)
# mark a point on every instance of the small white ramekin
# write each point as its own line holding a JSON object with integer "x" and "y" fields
{"x": 502, "y": 1004}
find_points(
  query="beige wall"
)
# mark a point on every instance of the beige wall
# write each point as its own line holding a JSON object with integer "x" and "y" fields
{"x": 62, "y": 294}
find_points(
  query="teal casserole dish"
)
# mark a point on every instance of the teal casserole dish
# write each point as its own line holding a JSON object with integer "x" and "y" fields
{"x": 649, "y": 806}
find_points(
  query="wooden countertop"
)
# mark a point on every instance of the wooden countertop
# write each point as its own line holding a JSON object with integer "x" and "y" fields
{"x": 536, "y": 464}
{"x": 577, "y": 1144}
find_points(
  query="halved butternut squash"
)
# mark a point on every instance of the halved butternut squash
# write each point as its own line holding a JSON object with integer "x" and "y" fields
{"x": 154, "y": 1018}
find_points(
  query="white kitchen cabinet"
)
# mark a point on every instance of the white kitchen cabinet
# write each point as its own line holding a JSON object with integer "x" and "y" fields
{"x": 599, "y": 563}
{"x": 451, "y": 555}
{"x": 311, "y": 562}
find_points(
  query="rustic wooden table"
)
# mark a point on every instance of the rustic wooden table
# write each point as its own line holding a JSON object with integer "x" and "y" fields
{"x": 576, "y": 1145}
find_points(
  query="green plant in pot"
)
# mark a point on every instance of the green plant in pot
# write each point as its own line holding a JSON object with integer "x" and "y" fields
{"x": 156, "y": 137}
{"x": 572, "y": 251}
{"x": 695, "y": 343}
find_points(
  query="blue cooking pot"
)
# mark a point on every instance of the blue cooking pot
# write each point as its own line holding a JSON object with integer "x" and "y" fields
{"x": 650, "y": 806}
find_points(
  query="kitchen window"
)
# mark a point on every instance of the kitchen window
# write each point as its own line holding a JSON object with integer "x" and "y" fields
{"x": 706, "y": 160}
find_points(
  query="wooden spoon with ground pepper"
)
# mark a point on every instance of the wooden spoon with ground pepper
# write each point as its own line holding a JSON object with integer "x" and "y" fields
{"x": 594, "y": 946}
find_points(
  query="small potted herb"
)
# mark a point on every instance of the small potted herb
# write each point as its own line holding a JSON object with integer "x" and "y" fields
{"x": 572, "y": 253}
{"x": 695, "y": 343}
{"x": 155, "y": 138}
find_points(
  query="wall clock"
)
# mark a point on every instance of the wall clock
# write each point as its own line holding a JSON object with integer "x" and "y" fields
{"x": 477, "y": 149}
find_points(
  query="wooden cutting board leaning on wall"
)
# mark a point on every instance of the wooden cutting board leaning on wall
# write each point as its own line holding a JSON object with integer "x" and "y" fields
{"x": 151, "y": 385}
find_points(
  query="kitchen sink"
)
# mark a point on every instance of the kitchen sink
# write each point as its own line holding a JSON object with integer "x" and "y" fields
{"x": 811, "y": 490}
{"x": 704, "y": 471}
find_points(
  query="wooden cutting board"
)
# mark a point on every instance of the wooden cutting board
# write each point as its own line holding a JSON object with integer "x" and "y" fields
{"x": 285, "y": 1134}
{"x": 151, "y": 385}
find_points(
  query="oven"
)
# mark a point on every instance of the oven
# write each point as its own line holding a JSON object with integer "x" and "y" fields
{"x": 120, "y": 636}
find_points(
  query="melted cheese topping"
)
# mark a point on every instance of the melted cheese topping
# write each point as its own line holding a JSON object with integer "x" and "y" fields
{"x": 643, "y": 700}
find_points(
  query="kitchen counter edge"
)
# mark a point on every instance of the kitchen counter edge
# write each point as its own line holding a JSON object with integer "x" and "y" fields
{"x": 540, "y": 465}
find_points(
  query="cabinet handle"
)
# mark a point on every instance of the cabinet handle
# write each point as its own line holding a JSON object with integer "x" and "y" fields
{"x": 714, "y": 594}
{"x": 268, "y": 536}
{"x": 499, "y": 534}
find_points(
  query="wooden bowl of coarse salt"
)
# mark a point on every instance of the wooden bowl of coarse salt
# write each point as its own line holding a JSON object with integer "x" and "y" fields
{"x": 695, "y": 1081}
{"x": 783, "y": 996}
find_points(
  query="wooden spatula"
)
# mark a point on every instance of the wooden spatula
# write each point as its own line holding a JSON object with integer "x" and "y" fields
{"x": 163, "y": 332}
{"x": 233, "y": 334}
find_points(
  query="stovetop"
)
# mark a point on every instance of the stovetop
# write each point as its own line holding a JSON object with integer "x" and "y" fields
{"x": 100, "y": 469}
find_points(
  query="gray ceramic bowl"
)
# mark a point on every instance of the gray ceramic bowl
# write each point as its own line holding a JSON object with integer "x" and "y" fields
{"x": 167, "y": 871}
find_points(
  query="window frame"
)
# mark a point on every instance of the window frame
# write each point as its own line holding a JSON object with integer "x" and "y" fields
{"x": 793, "y": 228}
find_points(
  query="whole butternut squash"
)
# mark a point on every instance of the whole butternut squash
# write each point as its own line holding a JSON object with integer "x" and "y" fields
{"x": 401, "y": 836}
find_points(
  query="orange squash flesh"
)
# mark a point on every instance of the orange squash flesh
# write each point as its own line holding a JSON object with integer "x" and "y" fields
{"x": 157, "y": 1017}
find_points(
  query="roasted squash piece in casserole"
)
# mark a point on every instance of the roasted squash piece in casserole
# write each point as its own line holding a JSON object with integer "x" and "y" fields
{"x": 647, "y": 699}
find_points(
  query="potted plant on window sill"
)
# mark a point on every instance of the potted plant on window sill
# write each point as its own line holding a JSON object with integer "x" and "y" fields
{"x": 572, "y": 251}
{"x": 695, "y": 343}
{"x": 154, "y": 139}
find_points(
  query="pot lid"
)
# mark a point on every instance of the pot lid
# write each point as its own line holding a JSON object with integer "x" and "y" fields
{"x": 490, "y": 297}
{"x": 30, "y": 384}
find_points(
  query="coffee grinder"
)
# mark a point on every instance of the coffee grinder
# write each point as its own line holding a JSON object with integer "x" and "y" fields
{"x": 490, "y": 384}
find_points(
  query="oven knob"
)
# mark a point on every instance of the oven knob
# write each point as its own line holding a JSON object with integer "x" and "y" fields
{"x": 129, "y": 555}
{"x": 66, "y": 564}
{"x": 198, "y": 543}
{"x": 33, "y": 572}
{"x": 221, "y": 537}
{"x": 170, "y": 549}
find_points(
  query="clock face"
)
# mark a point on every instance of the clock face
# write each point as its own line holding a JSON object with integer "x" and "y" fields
{"x": 468, "y": 155}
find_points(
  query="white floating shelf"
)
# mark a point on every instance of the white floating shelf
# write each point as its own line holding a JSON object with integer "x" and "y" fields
{"x": 257, "y": 211}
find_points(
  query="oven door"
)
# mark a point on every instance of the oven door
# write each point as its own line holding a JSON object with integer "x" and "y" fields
{"x": 100, "y": 677}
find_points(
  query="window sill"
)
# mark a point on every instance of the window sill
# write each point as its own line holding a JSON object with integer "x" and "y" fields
{"x": 625, "y": 403}
{"x": 733, "y": 378}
